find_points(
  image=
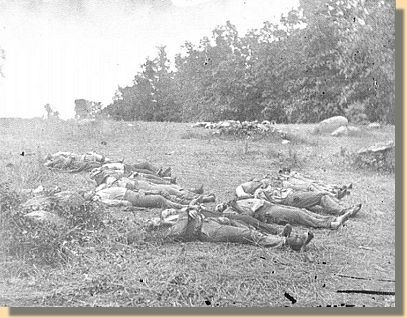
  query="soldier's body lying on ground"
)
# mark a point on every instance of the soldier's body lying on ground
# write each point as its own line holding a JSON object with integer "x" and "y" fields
{"x": 119, "y": 196}
{"x": 191, "y": 224}
{"x": 115, "y": 196}
{"x": 268, "y": 212}
{"x": 108, "y": 174}
{"x": 142, "y": 169}
{"x": 72, "y": 162}
{"x": 312, "y": 200}
{"x": 293, "y": 180}
{"x": 298, "y": 181}
{"x": 109, "y": 178}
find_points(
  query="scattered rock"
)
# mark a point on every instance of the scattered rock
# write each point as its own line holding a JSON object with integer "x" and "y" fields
{"x": 374, "y": 126}
{"x": 38, "y": 189}
{"x": 200, "y": 124}
{"x": 341, "y": 131}
{"x": 42, "y": 216}
{"x": 345, "y": 131}
{"x": 354, "y": 129}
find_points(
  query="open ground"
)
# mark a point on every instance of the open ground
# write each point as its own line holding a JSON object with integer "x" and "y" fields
{"x": 360, "y": 255}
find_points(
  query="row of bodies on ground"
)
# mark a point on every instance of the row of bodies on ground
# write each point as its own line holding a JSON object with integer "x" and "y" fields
{"x": 262, "y": 212}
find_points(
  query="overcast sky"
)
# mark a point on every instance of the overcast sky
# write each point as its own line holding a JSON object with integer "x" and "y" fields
{"x": 61, "y": 50}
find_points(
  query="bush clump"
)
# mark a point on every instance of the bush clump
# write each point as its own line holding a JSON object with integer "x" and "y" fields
{"x": 45, "y": 243}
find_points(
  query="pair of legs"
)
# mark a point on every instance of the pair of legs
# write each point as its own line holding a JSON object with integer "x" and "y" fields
{"x": 150, "y": 200}
{"x": 279, "y": 214}
{"x": 223, "y": 229}
{"x": 316, "y": 202}
{"x": 152, "y": 178}
{"x": 71, "y": 164}
{"x": 172, "y": 193}
{"x": 298, "y": 181}
{"x": 147, "y": 168}
{"x": 181, "y": 193}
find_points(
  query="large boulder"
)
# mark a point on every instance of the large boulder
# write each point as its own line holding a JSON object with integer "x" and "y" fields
{"x": 330, "y": 124}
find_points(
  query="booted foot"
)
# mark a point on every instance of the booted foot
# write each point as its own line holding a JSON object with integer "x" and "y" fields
{"x": 310, "y": 237}
{"x": 340, "y": 220}
{"x": 199, "y": 190}
{"x": 167, "y": 172}
{"x": 355, "y": 209}
{"x": 221, "y": 207}
{"x": 342, "y": 193}
{"x": 287, "y": 230}
{"x": 298, "y": 242}
{"x": 159, "y": 172}
{"x": 209, "y": 198}
{"x": 196, "y": 201}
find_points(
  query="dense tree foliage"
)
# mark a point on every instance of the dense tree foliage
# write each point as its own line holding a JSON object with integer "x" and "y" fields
{"x": 330, "y": 57}
{"x": 85, "y": 109}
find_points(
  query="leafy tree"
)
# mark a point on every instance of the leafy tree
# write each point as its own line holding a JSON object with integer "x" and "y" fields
{"x": 51, "y": 114}
{"x": 85, "y": 109}
{"x": 328, "y": 57}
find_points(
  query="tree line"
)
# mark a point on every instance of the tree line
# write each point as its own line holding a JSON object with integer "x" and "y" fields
{"x": 326, "y": 58}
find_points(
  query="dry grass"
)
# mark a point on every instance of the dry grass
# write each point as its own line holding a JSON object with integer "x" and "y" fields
{"x": 108, "y": 272}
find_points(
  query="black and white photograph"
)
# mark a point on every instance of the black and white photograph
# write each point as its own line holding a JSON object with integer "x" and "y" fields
{"x": 198, "y": 154}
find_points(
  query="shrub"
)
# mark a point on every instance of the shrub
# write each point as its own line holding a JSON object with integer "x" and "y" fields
{"x": 356, "y": 113}
{"x": 45, "y": 242}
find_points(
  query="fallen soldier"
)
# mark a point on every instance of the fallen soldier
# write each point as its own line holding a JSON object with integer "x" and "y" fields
{"x": 111, "y": 196}
{"x": 111, "y": 178}
{"x": 119, "y": 196}
{"x": 72, "y": 162}
{"x": 127, "y": 169}
{"x": 119, "y": 170}
{"x": 293, "y": 181}
{"x": 190, "y": 224}
{"x": 297, "y": 181}
{"x": 315, "y": 201}
{"x": 268, "y": 212}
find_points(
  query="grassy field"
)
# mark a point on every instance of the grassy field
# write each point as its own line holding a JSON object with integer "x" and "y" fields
{"x": 153, "y": 273}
